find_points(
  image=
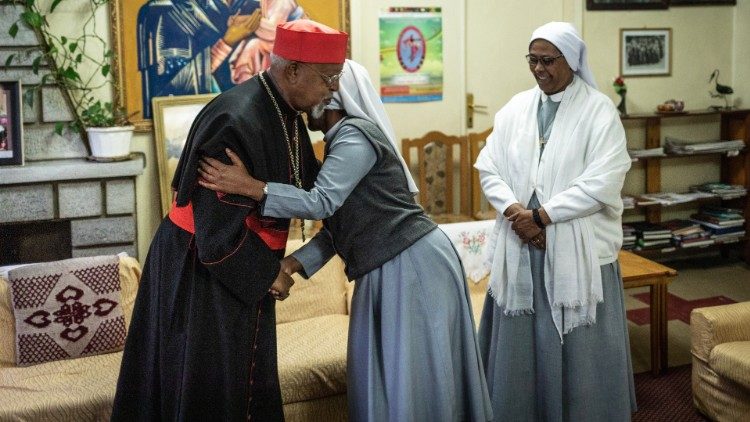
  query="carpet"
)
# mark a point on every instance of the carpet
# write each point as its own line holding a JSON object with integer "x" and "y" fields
{"x": 677, "y": 307}
{"x": 665, "y": 398}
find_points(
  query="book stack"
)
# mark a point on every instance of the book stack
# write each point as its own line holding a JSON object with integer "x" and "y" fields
{"x": 722, "y": 190}
{"x": 683, "y": 147}
{"x": 628, "y": 237}
{"x": 667, "y": 198}
{"x": 635, "y": 154}
{"x": 726, "y": 225}
{"x": 651, "y": 236}
{"x": 688, "y": 234}
{"x": 628, "y": 202}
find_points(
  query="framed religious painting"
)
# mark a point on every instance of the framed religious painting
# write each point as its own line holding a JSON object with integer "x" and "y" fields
{"x": 173, "y": 117}
{"x": 626, "y": 4}
{"x": 646, "y": 52}
{"x": 182, "y": 48}
{"x": 11, "y": 124}
{"x": 703, "y": 2}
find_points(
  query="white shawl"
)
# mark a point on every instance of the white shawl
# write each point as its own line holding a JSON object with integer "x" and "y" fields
{"x": 585, "y": 158}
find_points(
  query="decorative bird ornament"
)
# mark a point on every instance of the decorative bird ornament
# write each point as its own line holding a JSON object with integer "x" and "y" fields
{"x": 722, "y": 91}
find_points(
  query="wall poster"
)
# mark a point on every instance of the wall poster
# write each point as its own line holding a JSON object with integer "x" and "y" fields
{"x": 411, "y": 54}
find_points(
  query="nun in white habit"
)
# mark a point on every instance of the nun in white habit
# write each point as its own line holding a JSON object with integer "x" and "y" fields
{"x": 553, "y": 333}
{"x": 412, "y": 353}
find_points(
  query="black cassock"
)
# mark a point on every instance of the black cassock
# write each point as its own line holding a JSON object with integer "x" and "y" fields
{"x": 202, "y": 341}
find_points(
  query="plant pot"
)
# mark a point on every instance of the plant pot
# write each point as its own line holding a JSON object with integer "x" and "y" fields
{"x": 110, "y": 142}
{"x": 622, "y": 108}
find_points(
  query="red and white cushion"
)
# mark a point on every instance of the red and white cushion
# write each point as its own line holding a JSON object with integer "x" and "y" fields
{"x": 67, "y": 309}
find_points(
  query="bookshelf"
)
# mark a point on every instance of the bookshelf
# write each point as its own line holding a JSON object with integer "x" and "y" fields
{"x": 734, "y": 124}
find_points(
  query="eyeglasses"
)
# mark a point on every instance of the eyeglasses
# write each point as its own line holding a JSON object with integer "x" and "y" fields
{"x": 546, "y": 60}
{"x": 330, "y": 80}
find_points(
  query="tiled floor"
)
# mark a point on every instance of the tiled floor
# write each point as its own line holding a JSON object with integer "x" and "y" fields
{"x": 697, "y": 279}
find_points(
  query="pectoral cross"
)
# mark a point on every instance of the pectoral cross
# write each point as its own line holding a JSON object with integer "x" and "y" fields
{"x": 542, "y": 141}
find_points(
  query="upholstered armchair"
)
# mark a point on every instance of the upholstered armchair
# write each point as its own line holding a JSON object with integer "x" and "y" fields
{"x": 721, "y": 361}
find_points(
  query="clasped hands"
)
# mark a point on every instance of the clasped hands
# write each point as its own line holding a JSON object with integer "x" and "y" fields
{"x": 524, "y": 226}
{"x": 284, "y": 281}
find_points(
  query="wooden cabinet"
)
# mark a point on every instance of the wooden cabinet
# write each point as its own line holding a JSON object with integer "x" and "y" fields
{"x": 735, "y": 124}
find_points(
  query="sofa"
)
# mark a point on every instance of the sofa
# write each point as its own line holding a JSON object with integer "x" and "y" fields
{"x": 312, "y": 331}
{"x": 720, "y": 345}
{"x": 79, "y": 389}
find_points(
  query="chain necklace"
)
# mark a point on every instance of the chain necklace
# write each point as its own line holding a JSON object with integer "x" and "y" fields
{"x": 294, "y": 151}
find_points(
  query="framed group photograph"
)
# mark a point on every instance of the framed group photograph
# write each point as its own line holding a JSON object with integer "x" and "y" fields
{"x": 646, "y": 52}
{"x": 11, "y": 124}
{"x": 189, "y": 48}
{"x": 173, "y": 117}
{"x": 626, "y": 4}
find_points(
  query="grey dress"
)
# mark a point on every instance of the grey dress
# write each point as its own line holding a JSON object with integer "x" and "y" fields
{"x": 532, "y": 376}
{"x": 412, "y": 351}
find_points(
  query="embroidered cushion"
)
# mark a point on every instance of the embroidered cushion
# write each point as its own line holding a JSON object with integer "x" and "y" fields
{"x": 67, "y": 309}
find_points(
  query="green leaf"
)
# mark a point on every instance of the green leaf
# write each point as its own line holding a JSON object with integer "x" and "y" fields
{"x": 33, "y": 19}
{"x": 105, "y": 70}
{"x": 79, "y": 58}
{"x": 63, "y": 40}
{"x": 59, "y": 128}
{"x": 9, "y": 60}
{"x": 28, "y": 97}
{"x": 13, "y": 30}
{"x": 35, "y": 65}
{"x": 72, "y": 46}
{"x": 54, "y": 4}
{"x": 70, "y": 73}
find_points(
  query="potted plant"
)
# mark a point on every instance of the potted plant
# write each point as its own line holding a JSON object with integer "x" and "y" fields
{"x": 80, "y": 66}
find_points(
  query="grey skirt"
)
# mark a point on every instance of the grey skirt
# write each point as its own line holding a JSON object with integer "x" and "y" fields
{"x": 413, "y": 353}
{"x": 531, "y": 376}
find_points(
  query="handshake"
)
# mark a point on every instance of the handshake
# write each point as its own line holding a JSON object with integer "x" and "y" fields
{"x": 284, "y": 281}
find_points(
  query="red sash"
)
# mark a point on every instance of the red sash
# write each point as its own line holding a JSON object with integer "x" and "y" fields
{"x": 274, "y": 239}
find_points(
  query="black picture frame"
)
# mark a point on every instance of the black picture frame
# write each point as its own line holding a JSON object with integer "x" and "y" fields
{"x": 11, "y": 124}
{"x": 645, "y": 52}
{"x": 626, "y": 4}
{"x": 703, "y": 2}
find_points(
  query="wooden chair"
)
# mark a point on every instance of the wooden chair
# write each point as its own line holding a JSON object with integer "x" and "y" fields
{"x": 480, "y": 208}
{"x": 437, "y": 157}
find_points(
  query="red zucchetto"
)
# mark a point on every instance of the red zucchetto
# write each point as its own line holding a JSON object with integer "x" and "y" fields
{"x": 308, "y": 41}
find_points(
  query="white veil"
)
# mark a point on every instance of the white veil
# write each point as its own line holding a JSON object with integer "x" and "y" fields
{"x": 358, "y": 97}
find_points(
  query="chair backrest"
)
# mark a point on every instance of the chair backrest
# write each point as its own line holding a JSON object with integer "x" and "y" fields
{"x": 480, "y": 208}
{"x": 437, "y": 156}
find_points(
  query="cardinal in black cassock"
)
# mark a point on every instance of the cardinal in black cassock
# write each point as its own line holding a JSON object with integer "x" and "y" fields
{"x": 202, "y": 341}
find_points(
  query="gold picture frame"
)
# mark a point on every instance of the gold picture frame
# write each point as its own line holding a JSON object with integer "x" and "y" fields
{"x": 128, "y": 78}
{"x": 173, "y": 117}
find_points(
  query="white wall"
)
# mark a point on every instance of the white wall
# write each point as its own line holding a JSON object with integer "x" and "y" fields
{"x": 701, "y": 41}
